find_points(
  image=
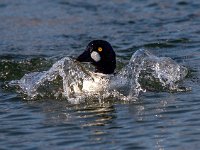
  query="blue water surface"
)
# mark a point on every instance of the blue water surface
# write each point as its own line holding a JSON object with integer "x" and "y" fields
{"x": 36, "y": 33}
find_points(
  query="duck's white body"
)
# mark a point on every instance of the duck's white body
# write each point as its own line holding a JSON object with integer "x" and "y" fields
{"x": 98, "y": 82}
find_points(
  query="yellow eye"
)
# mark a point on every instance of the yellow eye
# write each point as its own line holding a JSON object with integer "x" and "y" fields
{"x": 100, "y": 49}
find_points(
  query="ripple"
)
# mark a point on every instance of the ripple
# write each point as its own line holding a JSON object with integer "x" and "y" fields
{"x": 33, "y": 38}
{"x": 182, "y": 3}
{"x": 3, "y": 6}
{"x": 159, "y": 45}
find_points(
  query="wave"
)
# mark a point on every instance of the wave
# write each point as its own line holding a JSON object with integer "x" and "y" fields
{"x": 144, "y": 71}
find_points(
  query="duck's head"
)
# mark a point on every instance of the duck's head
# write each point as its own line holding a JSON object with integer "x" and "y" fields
{"x": 101, "y": 54}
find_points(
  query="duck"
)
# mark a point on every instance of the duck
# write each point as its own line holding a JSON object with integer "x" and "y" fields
{"x": 102, "y": 56}
{"x": 78, "y": 81}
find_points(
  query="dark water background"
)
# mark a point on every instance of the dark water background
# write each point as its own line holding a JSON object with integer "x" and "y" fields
{"x": 33, "y": 33}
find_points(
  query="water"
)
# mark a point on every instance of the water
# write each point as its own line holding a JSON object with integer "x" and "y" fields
{"x": 79, "y": 83}
{"x": 36, "y": 34}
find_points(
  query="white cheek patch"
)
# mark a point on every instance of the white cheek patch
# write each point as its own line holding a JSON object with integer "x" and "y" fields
{"x": 95, "y": 56}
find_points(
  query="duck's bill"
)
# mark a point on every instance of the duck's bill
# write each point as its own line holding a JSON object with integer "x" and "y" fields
{"x": 84, "y": 57}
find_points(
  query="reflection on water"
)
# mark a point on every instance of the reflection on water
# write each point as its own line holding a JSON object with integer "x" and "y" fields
{"x": 35, "y": 34}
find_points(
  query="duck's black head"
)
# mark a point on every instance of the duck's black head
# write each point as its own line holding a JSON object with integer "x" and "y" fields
{"x": 101, "y": 54}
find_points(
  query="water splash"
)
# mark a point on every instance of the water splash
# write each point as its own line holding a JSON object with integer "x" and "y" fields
{"x": 143, "y": 72}
{"x": 146, "y": 71}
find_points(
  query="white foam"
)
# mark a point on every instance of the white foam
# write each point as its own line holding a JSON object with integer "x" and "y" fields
{"x": 79, "y": 83}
